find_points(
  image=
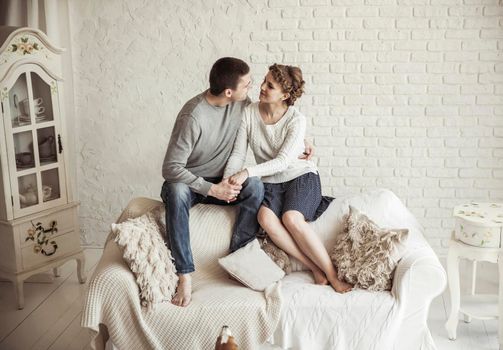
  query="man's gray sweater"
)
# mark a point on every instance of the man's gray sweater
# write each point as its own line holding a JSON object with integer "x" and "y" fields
{"x": 201, "y": 142}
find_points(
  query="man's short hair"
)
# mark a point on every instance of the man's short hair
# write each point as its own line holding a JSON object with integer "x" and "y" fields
{"x": 225, "y": 74}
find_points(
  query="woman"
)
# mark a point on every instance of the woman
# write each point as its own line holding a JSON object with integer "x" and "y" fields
{"x": 275, "y": 131}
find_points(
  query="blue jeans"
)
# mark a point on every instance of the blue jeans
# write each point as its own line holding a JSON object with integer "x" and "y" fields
{"x": 178, "y": 199}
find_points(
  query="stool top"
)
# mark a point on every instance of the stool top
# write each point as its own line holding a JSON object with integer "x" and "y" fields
{"x": 483, "y": 214}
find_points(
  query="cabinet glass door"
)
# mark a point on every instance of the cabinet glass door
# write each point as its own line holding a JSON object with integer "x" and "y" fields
{"x": 34, "y": 147}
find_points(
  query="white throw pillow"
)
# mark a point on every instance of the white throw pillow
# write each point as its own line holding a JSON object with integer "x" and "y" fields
{"x": 148, "y": 257}
{"x": 365, "y": 254}
{"x": 251, "y": 266}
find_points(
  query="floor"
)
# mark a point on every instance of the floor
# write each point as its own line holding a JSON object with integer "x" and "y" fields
{"x": 51, "y": 317}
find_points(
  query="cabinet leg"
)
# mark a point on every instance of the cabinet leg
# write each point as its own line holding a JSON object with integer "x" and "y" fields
{"x": 81, "y": 268}
{"x": 500, "y": 299}
{"x": 56, "y": 271}
{"x": 19, "y": 286}
{"x": 453, "y": 276}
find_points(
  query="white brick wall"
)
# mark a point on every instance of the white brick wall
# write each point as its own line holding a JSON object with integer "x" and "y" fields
{"x": 403, "y": 94}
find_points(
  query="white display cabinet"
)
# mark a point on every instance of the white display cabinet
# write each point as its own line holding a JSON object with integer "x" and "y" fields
{"x": 39, "y": 227}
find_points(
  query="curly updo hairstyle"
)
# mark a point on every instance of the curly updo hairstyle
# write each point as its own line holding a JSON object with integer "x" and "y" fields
{"x": 290, "y": 79}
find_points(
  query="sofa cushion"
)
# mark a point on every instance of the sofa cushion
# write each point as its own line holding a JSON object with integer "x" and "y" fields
{"x": 146, "y": 254}
{"x": 365, "y": 254}
{"x": 277, "y": 255}
{"x": 381, "y": 205}
{"x": 251, "y": 266}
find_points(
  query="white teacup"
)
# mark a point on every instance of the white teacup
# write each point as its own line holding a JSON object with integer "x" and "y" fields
{"x": 39, "y": 110}
{"x": 37, "y": 103}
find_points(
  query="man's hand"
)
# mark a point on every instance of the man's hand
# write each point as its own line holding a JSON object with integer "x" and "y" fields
{"x": 225, "y": 191}
{"x": 308, "y": 152}
{"x": 239, "y": 177}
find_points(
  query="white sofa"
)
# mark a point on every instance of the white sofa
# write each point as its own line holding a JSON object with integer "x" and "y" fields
{"x": 310, "y": 316}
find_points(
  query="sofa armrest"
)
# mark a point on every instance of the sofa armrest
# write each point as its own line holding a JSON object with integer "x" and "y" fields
{"x": 419, "y": 277}
{"x": 100, "y": 308}
{"x": 136, "y": 207}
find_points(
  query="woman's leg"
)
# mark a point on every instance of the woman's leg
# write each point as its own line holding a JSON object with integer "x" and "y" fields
{"x": 310, "y": 244}
{"x": 281, "y": 237}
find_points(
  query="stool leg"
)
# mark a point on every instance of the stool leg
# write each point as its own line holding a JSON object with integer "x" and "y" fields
{"x": 467, "y": 318}
{"x": 500, "y": 299}
{"x": 453, "y": 276}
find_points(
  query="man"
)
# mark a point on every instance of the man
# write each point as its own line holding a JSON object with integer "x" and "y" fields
{"x": 200, "y": 145}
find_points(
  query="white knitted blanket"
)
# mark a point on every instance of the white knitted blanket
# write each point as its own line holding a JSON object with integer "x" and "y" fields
{"x": 113, "y": 297}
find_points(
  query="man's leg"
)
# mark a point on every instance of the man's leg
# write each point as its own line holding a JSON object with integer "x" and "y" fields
{"x": 248, "y": 202}
{"x": 178, "y": 199}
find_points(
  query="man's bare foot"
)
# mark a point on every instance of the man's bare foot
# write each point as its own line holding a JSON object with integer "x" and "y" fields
{"x": 341, "y": 286}
{"x": 320, "y": 278}
{"x": 183, "y": 291}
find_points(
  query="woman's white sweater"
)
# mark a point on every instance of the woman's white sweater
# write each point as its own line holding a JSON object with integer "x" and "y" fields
{"x": 276, "y": 147}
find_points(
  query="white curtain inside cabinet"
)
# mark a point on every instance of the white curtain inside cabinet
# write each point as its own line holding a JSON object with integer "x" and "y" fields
{"x": 51, "y": 17}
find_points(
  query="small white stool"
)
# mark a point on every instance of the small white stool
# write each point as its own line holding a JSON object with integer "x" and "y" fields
{"x": 477, "y": 237}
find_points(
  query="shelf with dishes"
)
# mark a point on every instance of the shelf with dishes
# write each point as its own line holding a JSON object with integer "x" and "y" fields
{"x": 23, "y": 111}
{"x": 23, "y": 120}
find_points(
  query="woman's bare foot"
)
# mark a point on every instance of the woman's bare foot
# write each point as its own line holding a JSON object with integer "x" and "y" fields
{"x": 183, "y": 291}
{"x": 341, "y": 286}
{"x": 320, "y": 278}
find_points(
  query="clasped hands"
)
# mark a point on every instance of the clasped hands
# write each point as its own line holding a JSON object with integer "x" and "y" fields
{"x": 229, "y": 188}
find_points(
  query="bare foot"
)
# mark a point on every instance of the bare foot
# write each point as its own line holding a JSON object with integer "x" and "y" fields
{"x": 341, "y": 286}
{"x": 183, "y": 291}
{"x": 320, "y": 278}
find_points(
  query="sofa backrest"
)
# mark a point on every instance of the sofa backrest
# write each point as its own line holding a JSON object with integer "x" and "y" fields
{"x": 211, "y": 225}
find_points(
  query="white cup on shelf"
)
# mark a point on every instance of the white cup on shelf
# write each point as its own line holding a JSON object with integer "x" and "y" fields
{"x": 37, "y": 103}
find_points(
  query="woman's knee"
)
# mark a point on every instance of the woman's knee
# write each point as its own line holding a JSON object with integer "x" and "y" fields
{"x": 293, "y": 220}
{"x": 264, "y": 216}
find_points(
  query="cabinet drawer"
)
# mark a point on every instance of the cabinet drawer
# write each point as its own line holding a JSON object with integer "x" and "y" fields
{"x": 65, "y": 222}
{"x": 66, "y": 243}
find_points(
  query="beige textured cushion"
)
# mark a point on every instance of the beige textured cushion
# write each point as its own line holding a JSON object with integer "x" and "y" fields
{"x": 251, "y": 266}
{"x": 148, "y": 257}
{"x": 365, "y": 254}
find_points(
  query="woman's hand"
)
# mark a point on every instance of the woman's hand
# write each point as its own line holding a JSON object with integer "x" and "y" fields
{"x": 308, "y": 152}
{"x": 225, "y": 191}
{"x": 239, "y": 177}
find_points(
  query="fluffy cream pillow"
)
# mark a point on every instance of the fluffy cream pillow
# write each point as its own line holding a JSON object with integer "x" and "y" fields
{"x": 365, "y": 254}
{"x": 276, "y": 254}
{"x": 148, "y": 257}
{"x": 251, "y": 266}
